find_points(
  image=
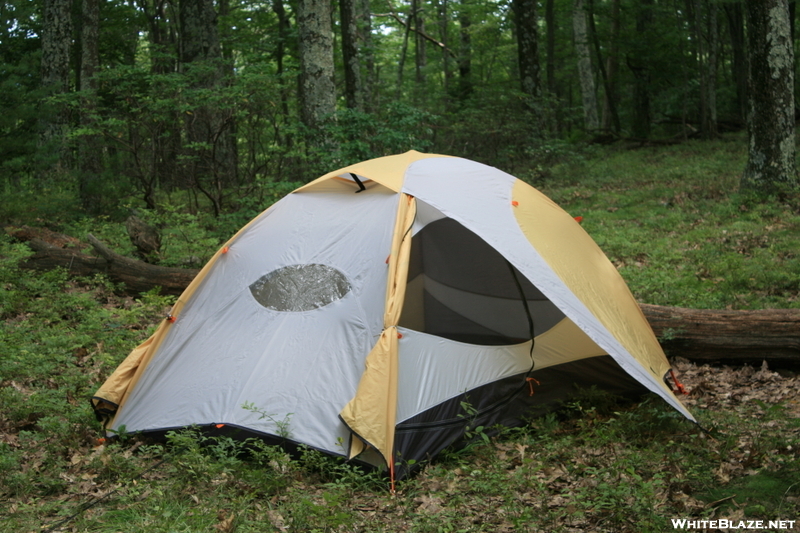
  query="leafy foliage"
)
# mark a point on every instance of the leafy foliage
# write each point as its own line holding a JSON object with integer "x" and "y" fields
{"x": 456, "y": 91}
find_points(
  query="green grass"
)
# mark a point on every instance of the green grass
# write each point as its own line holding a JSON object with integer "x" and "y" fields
{"x": 757, "y": 493}
{"x": 672, "y": 221}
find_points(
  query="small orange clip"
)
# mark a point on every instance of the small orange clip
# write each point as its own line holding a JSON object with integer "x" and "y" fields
{"x": 579, "y": 219}
{"x": 171, "y": 319}
{"x": 225, "y": 249}
{"x": 530, "y": 384}
{"x": 514, "y": 203}
{"x": 219, "y": 426}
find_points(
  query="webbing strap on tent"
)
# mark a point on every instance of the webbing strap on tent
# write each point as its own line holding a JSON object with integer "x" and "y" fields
{"x": 361, "y": 186}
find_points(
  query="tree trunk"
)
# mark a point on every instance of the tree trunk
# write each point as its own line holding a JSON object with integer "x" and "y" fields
{"x": 553, "y": 89}
{"x": 710, "y": 128}
{"x": 710, "y": 335}
{"x": 350, "y": 55}
{"x": 444, "y": 36}
{"x": 610, "y": 117}
{"x": 317, "y": 91}
{"x": 694, "y": 15}
{"x": 550, "y": 23}
{"x": 771, "y": 155}
{"x": 640, "y": 129}
{"x": 137, "y": 276}
{"x": 702, "y": 335}
{"x": 56, "y": 45}
{"x": 364, "y": 25}
{"x": 598, "y": 50}
{"x": 165, "y": 129}
{"x": 161, "y": 36}
{"x": 704, "y": 27}
{"x": 420, "y": 51}
{"x": 465, "y": 87}
{"x": 585, "y": 73}
{"x": 280, "y": 54}
{"x": 227, "y": 151}
{"x": 210, "y": 129}
{"x": 527, "y": 46}
{"x": 56, "y": 39}
{"x": 735, "y": 16}
{"x": 91, "y": 187}
{"x": 401, "y": 65}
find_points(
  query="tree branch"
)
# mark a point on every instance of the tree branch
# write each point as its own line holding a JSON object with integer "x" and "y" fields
{"x": 421, "y": 33}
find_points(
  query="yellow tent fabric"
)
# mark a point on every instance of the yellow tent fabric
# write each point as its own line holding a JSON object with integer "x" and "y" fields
{"x": 572, "y": 254}
{"x": 389, "y": 171}
{"x": 371, "y": 413}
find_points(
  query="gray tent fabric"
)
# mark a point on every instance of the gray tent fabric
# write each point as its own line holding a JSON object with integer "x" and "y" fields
{"x": 362, "y": 312}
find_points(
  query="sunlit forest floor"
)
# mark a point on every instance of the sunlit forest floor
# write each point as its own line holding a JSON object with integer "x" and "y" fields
{"x": 671, "y": 220}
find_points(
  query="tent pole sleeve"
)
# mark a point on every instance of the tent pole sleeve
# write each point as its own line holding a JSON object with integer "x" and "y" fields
{"x": 372, "y": 413}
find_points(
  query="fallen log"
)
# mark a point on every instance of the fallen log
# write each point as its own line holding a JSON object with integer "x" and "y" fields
{"x": 712, "y": 335}
{"x": 137, "y": 276}
{"x": 700, "y": 335}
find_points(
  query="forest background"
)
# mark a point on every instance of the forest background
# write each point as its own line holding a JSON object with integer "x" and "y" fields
{"x": 218, "y": 102}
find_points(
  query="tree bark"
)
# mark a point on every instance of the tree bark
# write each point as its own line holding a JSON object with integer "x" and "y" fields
{"x": 137, "y": 276}
{"x": 165, "y": 128}
{"x": 640, "y": 68}
{"x": 585, "y": 73}
{"x": 420, "y": 50}
{"x": 610, "y": 117}
{"x": 711, "y": 335}
{"x": 444, "y": 36}
{"x": 350, "y": 54}
{"x": 210, "y": 129}
{"x": 401, "y": 65}
{"x": 465, "y": 86}
{"x": 735, "y": 16}
{"x": 711, "y": 86}
{"x": 771, "y": 155}
{"x": 55, "y": 63}
{"x": 366, "y": 48}
{"x": 90, "y": 163}
{"x": 317, "y": 91}
{"x": 550, "y": 23}
{"x": 701, "y": 335}
{"x": 284, "y": 29}
{"x": 161, "y": 36}
{"x": 527, "y": 47}
{"x": 56, "y": 44}
{"x": 705, "y": 33}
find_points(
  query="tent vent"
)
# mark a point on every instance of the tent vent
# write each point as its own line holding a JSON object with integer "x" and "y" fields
{"x": 361, "y": 186}
{"x": 297, "y": 288}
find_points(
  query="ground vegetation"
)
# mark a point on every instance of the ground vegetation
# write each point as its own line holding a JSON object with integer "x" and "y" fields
{"x": 669, "y": 217}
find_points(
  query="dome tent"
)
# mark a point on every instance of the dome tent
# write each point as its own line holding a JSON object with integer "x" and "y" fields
{"x": 362, "y": 310}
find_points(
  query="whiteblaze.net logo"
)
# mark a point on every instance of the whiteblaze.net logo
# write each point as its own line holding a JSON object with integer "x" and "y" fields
{"x": 684, "y": 523}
